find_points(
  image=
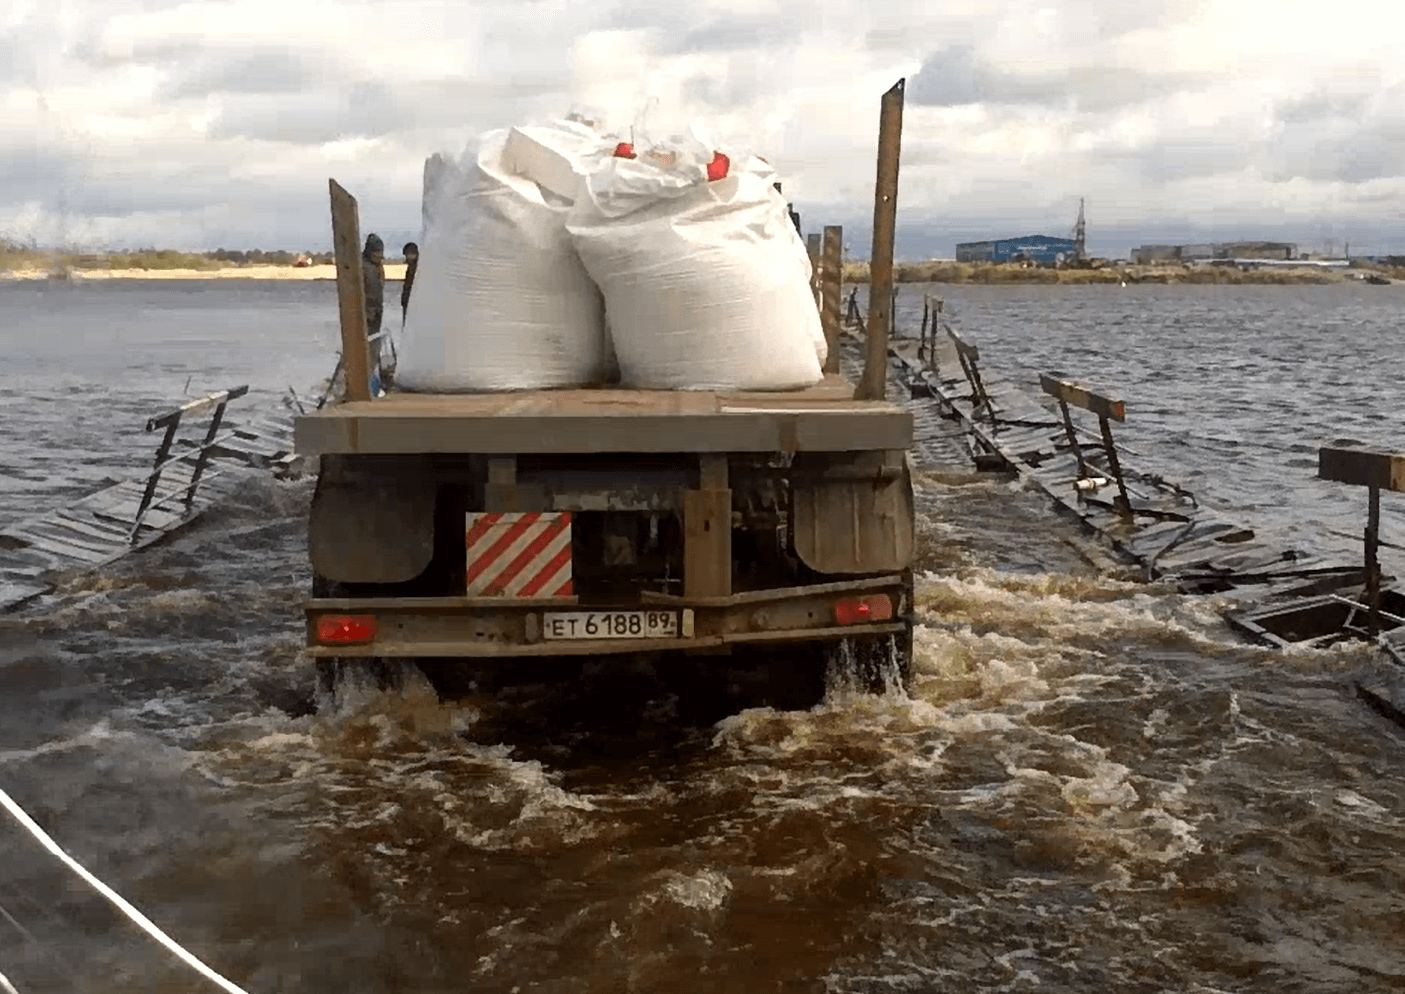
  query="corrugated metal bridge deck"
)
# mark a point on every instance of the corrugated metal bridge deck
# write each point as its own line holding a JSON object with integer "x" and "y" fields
{"x": 105, "y": 526}
{"x": 1168, "y": 534}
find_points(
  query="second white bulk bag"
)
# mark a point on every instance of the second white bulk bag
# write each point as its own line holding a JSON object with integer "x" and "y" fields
{"x": 501, "y": 300}
{"x": 706, "y": 281}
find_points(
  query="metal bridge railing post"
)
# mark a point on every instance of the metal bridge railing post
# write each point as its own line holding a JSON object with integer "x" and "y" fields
{"x": 1373, "y": 563}
{"x": 1124, "y": 504}
{"x": 203, "y": 459}
{"x": 162, "y": 451}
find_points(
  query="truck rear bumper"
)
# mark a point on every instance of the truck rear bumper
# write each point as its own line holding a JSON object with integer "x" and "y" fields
{"x": 495, "y": 627}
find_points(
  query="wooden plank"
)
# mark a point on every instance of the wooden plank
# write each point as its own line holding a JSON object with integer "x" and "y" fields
{"x": 23, "y": 560}
{"x": 57, "y": 529}
{"x": 90, "y": 526}
{"x": 158, "y": 519}
{"x": 118, "y": 492}
{"x": 576, "y": 401}
{"x": 1080, "y": 396}
{"x": 707, "y": 543}
{"x": 351, "y": 293}
{"x": 1362, "y": 467}
{"x": 599, "y": 403}
{"x": 64, "y": 549}
{"x": 878, "y": 427}
{"x": 13, "y": 594}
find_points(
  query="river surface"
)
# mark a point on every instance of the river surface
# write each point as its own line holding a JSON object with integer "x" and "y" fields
{"x": 1093, "y": 785}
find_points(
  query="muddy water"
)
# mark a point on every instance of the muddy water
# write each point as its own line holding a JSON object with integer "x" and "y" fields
{"x": 1092, "y": 786}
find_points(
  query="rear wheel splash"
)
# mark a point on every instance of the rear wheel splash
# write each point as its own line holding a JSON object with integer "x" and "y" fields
{"x": 347, "y": 684}
{"x": 869, "y": 664}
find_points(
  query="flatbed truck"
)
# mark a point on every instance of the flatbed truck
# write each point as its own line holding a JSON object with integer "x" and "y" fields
{"x": 517, "y": 527}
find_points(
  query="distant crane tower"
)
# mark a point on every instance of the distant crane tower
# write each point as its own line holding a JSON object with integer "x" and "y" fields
{"x": 1080, "y": 234}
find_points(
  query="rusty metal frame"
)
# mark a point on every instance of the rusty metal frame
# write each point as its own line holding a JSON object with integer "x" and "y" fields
{"x": 171, "y": 421}
{"x": 1375, "y": 471}
{"x": 481, "y": 627}
{"x": 969, "y": 356}
{"x": 852, "y": 315}
{"x": 1107, "y": 409}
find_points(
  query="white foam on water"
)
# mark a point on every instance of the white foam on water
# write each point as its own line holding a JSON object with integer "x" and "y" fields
{"x": 706, "y": 890}
{"x": 1106, "y": 788}
{"x": 976, "y": 723}
{"x": 895, "y": 722}
{"x": 1361, "y": 806}
{"x": 101, "y": 736}
{"x": 1076, "y": 610}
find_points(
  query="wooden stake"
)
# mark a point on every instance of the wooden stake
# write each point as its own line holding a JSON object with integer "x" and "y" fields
{"x": 832, "y": 266}
{"x": 351, "y": 293}
{"x": 880, "y": 268}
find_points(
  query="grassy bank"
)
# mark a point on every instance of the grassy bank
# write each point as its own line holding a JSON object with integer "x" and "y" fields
{"x": 999, "y": 273}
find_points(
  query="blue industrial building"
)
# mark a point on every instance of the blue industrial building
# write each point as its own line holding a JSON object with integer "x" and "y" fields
{"x": 1036, "y": 248}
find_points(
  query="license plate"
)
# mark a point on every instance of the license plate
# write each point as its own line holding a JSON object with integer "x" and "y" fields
{"x": 610, "y": 625}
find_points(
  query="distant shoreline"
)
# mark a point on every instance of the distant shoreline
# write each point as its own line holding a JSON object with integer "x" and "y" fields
{"x": 393, "y": 271}
{"x": 854, "y": 272}
{"x": 1005, "y": 274}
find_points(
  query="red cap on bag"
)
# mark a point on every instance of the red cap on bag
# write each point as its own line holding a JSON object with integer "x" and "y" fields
{"x": 717, "y": 168}
{"x": 624, "y": 150}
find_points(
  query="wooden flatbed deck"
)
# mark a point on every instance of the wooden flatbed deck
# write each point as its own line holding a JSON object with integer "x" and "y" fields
{"x": 822, "y": 418}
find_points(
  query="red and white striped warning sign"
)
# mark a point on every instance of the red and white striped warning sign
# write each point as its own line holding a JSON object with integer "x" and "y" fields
{"x": 519, "y": 554}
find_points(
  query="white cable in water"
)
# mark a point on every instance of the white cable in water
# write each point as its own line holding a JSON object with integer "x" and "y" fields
{"x": 6, "y": 986}
{"x": 136, "y": 916}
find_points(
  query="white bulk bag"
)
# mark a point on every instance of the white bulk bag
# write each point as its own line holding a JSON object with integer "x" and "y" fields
{"x": 706, "y": 283}
{"x": 555, "y": 156}
{"x": 501, "y": 300}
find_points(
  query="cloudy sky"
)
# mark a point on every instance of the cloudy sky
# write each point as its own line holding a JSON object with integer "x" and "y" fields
{"x": 199, "y": 125}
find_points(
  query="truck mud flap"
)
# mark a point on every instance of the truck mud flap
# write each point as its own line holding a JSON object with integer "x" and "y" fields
{"x": 853, "y": 512}
{"x": 372, "y": 520}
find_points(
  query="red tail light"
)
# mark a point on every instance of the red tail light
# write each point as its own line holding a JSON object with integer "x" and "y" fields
{"x": 346, "y": 629}
{"x": 863, "y": 610}
{"x": 624, "y": 150}
{"x": 718, "y": 167}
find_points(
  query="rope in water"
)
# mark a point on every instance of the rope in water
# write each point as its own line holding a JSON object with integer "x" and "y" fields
{"x": 6, "y": 986}
{"x": 136, "y": 916}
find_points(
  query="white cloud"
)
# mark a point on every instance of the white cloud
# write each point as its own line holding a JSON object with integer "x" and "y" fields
{"x": 158, "y": 121}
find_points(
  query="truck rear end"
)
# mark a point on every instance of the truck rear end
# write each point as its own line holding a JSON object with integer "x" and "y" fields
{"x": 600, "y": 522}
{"x": 519, "y": 527}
